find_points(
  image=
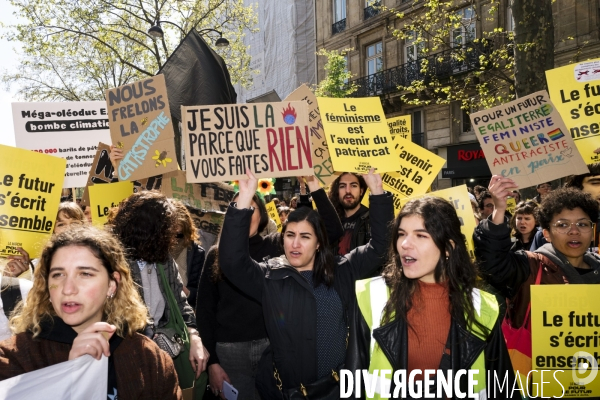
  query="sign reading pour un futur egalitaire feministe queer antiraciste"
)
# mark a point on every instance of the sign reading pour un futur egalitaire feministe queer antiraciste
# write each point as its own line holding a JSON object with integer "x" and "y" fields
{"x": 527, "y": 141}
{"x": 271, "y": 139}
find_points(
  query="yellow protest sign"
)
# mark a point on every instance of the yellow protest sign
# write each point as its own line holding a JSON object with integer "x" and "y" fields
{"x": 140, "y": 123}
{"x": 527, "y": 141}
{"x": 565, "y": 321}
{"x": 320, "y": 153}
{"x": 105, "y": 196}
{"x": 511, "y": 205}
{"x": 573, "y": 89}
{"x": 357, "y": 135}
{"x": 30, "y": 187}
{"x": 271, "y": 139}
{"x": 274, "y": 214}
{"x": 400, "y": 126}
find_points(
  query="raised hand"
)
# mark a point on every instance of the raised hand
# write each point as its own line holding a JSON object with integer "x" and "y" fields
{"x": 247, "y": 189}
{"x": 374, "y": 182}
{"x": 500, "y": 188}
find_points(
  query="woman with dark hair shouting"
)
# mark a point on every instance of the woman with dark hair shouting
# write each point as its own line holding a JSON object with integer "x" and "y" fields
{"x": 425, "y": 312}
{"x": 304, "y": 293}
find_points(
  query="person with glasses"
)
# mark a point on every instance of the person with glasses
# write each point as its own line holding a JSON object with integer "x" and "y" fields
{"x": 567, "y": 217}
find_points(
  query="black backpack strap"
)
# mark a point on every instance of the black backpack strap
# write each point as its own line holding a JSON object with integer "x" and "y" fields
{"x": 10, "y": 293}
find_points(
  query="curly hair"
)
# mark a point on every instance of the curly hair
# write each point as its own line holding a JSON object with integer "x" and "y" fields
{"x": 523, "y": 208}
{"x": 457, "y": 270}
{"x": 576, "y": 181}
{"x": 126, "y": 310}
{"x": 185, "y": 222}
{"x": 334, "y": 192}
{"x": 146, "y": 225}
{"x": 565, "y": 198}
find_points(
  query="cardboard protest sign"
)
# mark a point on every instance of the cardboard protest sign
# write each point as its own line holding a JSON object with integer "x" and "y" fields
{"x": 106, "y": 196}
{"x": 208, "y": 224}
{"x": 564, "y": 323}
{"x": 30, "y": 187}
{"x": 357, "y": 134}
{"x": 69, "y": 130}
{"x": 320, "y": 153}
{"x": 140, "y": 124}
{"x": 573, "y": 89}
{"x": 274, "y": 214}
{"x": 202, "y": 196}
{"x": 458, "y": 196}
{"x": 102, "y": 171}
{"x": 400, "y": 126}
{"x": 527, "y": 141}
{"x": 271, "y": 139}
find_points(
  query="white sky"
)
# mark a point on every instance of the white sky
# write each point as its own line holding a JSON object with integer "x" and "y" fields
{"x": 8, "y": 62}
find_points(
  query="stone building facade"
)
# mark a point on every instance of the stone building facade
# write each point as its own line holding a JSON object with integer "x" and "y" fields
{"x": 379, "y": 60}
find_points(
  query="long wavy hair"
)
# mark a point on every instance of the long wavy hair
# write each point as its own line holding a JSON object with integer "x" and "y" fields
{"x": 217, "y": 274}
{"x": 334, "y": 192}
{"x": 457, "y": 271}
{"x": 125, "y": 310}
{"x": 146, "y": 225}
{"x": 185, "y": 221}
{"x": 323, "y": 268}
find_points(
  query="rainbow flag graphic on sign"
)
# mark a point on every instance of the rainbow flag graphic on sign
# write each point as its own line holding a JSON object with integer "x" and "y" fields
{"x": 556, "y": 134}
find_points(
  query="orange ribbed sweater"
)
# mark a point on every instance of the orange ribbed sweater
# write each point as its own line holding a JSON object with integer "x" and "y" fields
{"x": 429, "y": 320}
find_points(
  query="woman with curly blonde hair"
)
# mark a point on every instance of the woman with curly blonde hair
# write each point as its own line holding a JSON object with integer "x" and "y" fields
{"x": 84, "y": 301}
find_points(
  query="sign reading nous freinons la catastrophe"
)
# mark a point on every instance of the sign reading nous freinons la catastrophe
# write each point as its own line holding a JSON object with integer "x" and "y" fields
{"x": 527, "y": 141}
{"x": 271, "y": 139}
{"x": 575, "y": 89}
{"x": 70, "y": 130}
{"x": 30, "y": 187}
{"x": 140, "y": 124}
{"x": 357, "y": 134}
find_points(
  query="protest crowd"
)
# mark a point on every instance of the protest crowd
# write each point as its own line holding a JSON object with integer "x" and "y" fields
{"x": 311, "y": 296}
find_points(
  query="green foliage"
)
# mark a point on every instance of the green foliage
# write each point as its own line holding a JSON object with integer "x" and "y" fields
{"x": 76, "y": 49}
{"x": 334, "y": 84}
{"x": 440, "y": 34}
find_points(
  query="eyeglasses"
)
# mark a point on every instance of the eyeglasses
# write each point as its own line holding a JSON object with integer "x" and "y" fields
{"x": 584, "y": 226}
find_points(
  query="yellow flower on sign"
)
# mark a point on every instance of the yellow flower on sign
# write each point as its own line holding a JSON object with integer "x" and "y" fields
{"x": 161, "y": 158}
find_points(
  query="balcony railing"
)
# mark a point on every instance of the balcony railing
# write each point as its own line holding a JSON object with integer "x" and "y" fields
{"x": 372, "y": 10}
{"x": 442, "y": 65}
{"x": 338, "y": 27}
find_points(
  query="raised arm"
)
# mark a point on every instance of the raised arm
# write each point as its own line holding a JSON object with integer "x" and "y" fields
{"x": 366, "y": 259}
{"x": 234, "y": 253}
{"x": 503, "y": 269}
{"x": 206, "y": 307}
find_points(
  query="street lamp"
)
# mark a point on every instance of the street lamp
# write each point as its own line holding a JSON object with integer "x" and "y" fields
{"x": 156, "y": 32}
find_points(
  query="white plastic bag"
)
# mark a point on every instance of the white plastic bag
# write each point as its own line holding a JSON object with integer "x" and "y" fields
{"x": 82, "y": 378}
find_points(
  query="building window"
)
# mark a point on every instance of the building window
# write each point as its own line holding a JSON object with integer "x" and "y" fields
{"x": 464, "y": 32}
{"x": 510, "y": 19}
{"x": 371, "y": 8}
{"x": 412, "y": 50}
{"x": 418, "y": 131}
{"x": 374, "y": 67}
{"x": 465, "y": 123}
{"x": 339, "y": 16}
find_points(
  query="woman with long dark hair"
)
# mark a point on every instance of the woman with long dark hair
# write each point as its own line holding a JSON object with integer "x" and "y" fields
{"x": 231, "y": 322}
{"x": 304, "y": 293}
{"x": 425, "y": 311}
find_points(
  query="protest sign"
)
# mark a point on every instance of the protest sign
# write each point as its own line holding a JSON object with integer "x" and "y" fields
{"x": 400, "y": 126}
{"x": 320, "y": 153}
{"x": 357, "y": 135}
{"x": 572, "y": 90}
{"x": 30, "y": 187}
{"x": 81, "y": 378}
{"x": 271, "y": 139}
{"x": 106, "y": 196}
{"x": 202, "y": 196}
{"x": 274, "y": 214}
{"x": 458, "y": 196}
{"x": 527, "y": 141}
{"x": 102, "y": 171}
{"x": 70, "y": 130}
{"x": 511, "y": 205}
{"x": 564, "y": 324}
{"x": 208, "y": 225}
{"x": 140, "y": 123}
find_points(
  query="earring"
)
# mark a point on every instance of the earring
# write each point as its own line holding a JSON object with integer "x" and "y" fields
{"x": 110, "y": 296}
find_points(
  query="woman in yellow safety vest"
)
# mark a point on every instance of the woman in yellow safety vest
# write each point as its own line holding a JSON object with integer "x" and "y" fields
{"x": 425, "y": 313}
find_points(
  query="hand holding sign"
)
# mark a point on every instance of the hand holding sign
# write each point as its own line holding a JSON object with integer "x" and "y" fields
{"x": 500, "y": 188}
{"x": 374, "y": 182}
{"x": 247, "y": 189}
